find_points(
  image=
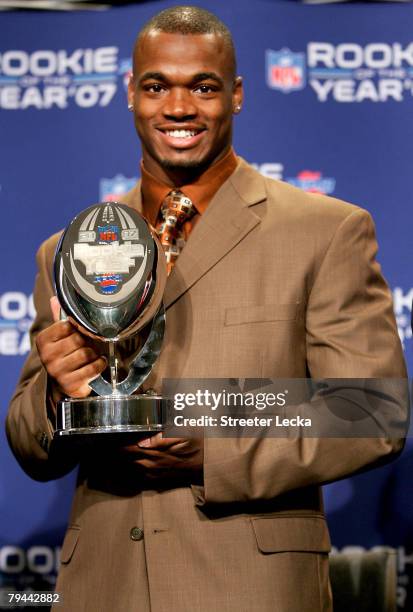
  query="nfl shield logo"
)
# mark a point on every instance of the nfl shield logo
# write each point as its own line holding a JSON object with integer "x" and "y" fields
{"x": 112, "y": 190}
{"x": 285, "y": 70}
{"x": 108, "y": 233}
{"x": 125, "y": 70}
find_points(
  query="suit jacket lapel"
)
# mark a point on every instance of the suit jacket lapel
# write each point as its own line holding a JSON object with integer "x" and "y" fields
{"x": 227, "y": 220}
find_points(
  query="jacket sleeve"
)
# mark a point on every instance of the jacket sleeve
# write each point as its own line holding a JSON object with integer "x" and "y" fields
{"x": 30, "y": 421}
{"x": 350, "y": 334}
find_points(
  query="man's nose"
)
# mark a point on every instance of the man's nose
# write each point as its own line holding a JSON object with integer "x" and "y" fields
{"x": 179, "y": 104}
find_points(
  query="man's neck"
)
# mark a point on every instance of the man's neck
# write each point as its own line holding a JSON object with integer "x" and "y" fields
{"x": 176, "y": 176}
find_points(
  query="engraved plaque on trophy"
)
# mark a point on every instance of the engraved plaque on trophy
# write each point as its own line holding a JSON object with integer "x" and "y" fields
{"x": 110, "y": 275}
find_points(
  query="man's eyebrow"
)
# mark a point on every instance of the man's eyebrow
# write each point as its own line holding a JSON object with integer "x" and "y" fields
{"x": 155, "y": 76}
{"x": 200, "y": 76}
{"x": 205, "y": 76}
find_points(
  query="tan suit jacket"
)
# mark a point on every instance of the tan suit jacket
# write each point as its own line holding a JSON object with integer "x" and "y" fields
{"x": 273, "y": 282}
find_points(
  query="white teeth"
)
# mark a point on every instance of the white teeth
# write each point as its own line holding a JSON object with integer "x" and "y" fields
{"x": 180, "y": 133}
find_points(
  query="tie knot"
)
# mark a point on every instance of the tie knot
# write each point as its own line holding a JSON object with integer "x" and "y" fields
{"x": 177, "y": 208}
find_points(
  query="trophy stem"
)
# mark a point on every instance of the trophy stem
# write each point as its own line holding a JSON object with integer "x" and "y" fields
{"x": 113, "y": 366}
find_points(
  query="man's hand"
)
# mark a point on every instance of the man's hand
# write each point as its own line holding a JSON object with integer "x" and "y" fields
{"x": 68, "y": 356}
{"x": 160, "y": 457}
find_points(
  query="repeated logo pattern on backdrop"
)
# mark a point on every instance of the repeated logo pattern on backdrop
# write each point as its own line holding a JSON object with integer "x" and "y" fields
{"x": 327, "y": 109}
{"x": 16, "y": 316}
{"x": 48, "y": 79}
{"x": 403, "y": 300}
{"x": 348, "y": 72}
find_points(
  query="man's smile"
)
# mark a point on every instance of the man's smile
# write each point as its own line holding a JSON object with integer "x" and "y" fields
{"x": 181, "y": 136}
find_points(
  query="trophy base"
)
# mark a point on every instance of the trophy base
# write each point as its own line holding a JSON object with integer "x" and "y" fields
{"x": 110, "y": 414}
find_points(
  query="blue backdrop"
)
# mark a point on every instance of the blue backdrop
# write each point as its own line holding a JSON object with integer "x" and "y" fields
{"x": 329, "y": 99}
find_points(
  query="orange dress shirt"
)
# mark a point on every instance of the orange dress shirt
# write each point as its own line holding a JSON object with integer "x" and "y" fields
{"x": 200, "y": 192}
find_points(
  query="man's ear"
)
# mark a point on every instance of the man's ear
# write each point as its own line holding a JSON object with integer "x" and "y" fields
{"x": 237, "y": 95}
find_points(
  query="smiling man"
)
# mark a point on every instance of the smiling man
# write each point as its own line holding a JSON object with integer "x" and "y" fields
{"x": 265, "y": 281}
{"x": 183, "y": 109}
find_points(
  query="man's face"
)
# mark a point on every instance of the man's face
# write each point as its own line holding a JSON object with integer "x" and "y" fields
{"x": 183, "y": 94}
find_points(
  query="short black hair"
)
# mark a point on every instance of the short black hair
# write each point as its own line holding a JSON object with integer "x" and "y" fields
{"x": 190, "y": 20}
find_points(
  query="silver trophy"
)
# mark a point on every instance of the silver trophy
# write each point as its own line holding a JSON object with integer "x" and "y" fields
{"x": 110, "y": 275}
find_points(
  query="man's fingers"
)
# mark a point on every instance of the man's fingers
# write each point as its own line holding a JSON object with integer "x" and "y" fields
{"x": 92, "y": 370}
{"x": 151, "y": 442}
{"x": 62, "y": 347}
{"x": 67, "y": 355}
{"x": 54, "y": 333}
{"x": 76, "y": 383}
{"x": 74, "y": 361}
{"x": 55, "y": 308}
{"x": 158, "y": 463}
{"x": 159, "y": 442}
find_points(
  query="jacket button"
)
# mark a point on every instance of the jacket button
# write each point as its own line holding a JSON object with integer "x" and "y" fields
{"x": 44, "y": 441}
{"x": 136, "y": 534}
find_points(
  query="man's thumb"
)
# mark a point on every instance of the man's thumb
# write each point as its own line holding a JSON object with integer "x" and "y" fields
{"x": 55, "y": 308}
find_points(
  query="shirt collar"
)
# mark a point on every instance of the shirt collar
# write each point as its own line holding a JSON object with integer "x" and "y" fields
{"x": 200, "y": 191}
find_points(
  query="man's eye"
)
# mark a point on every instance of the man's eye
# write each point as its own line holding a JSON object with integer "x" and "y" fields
{"x": 205, "y": 89}
{"x": 154, "y": 88}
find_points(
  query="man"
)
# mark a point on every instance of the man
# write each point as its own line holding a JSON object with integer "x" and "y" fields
{"x": 271, "y": 282}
